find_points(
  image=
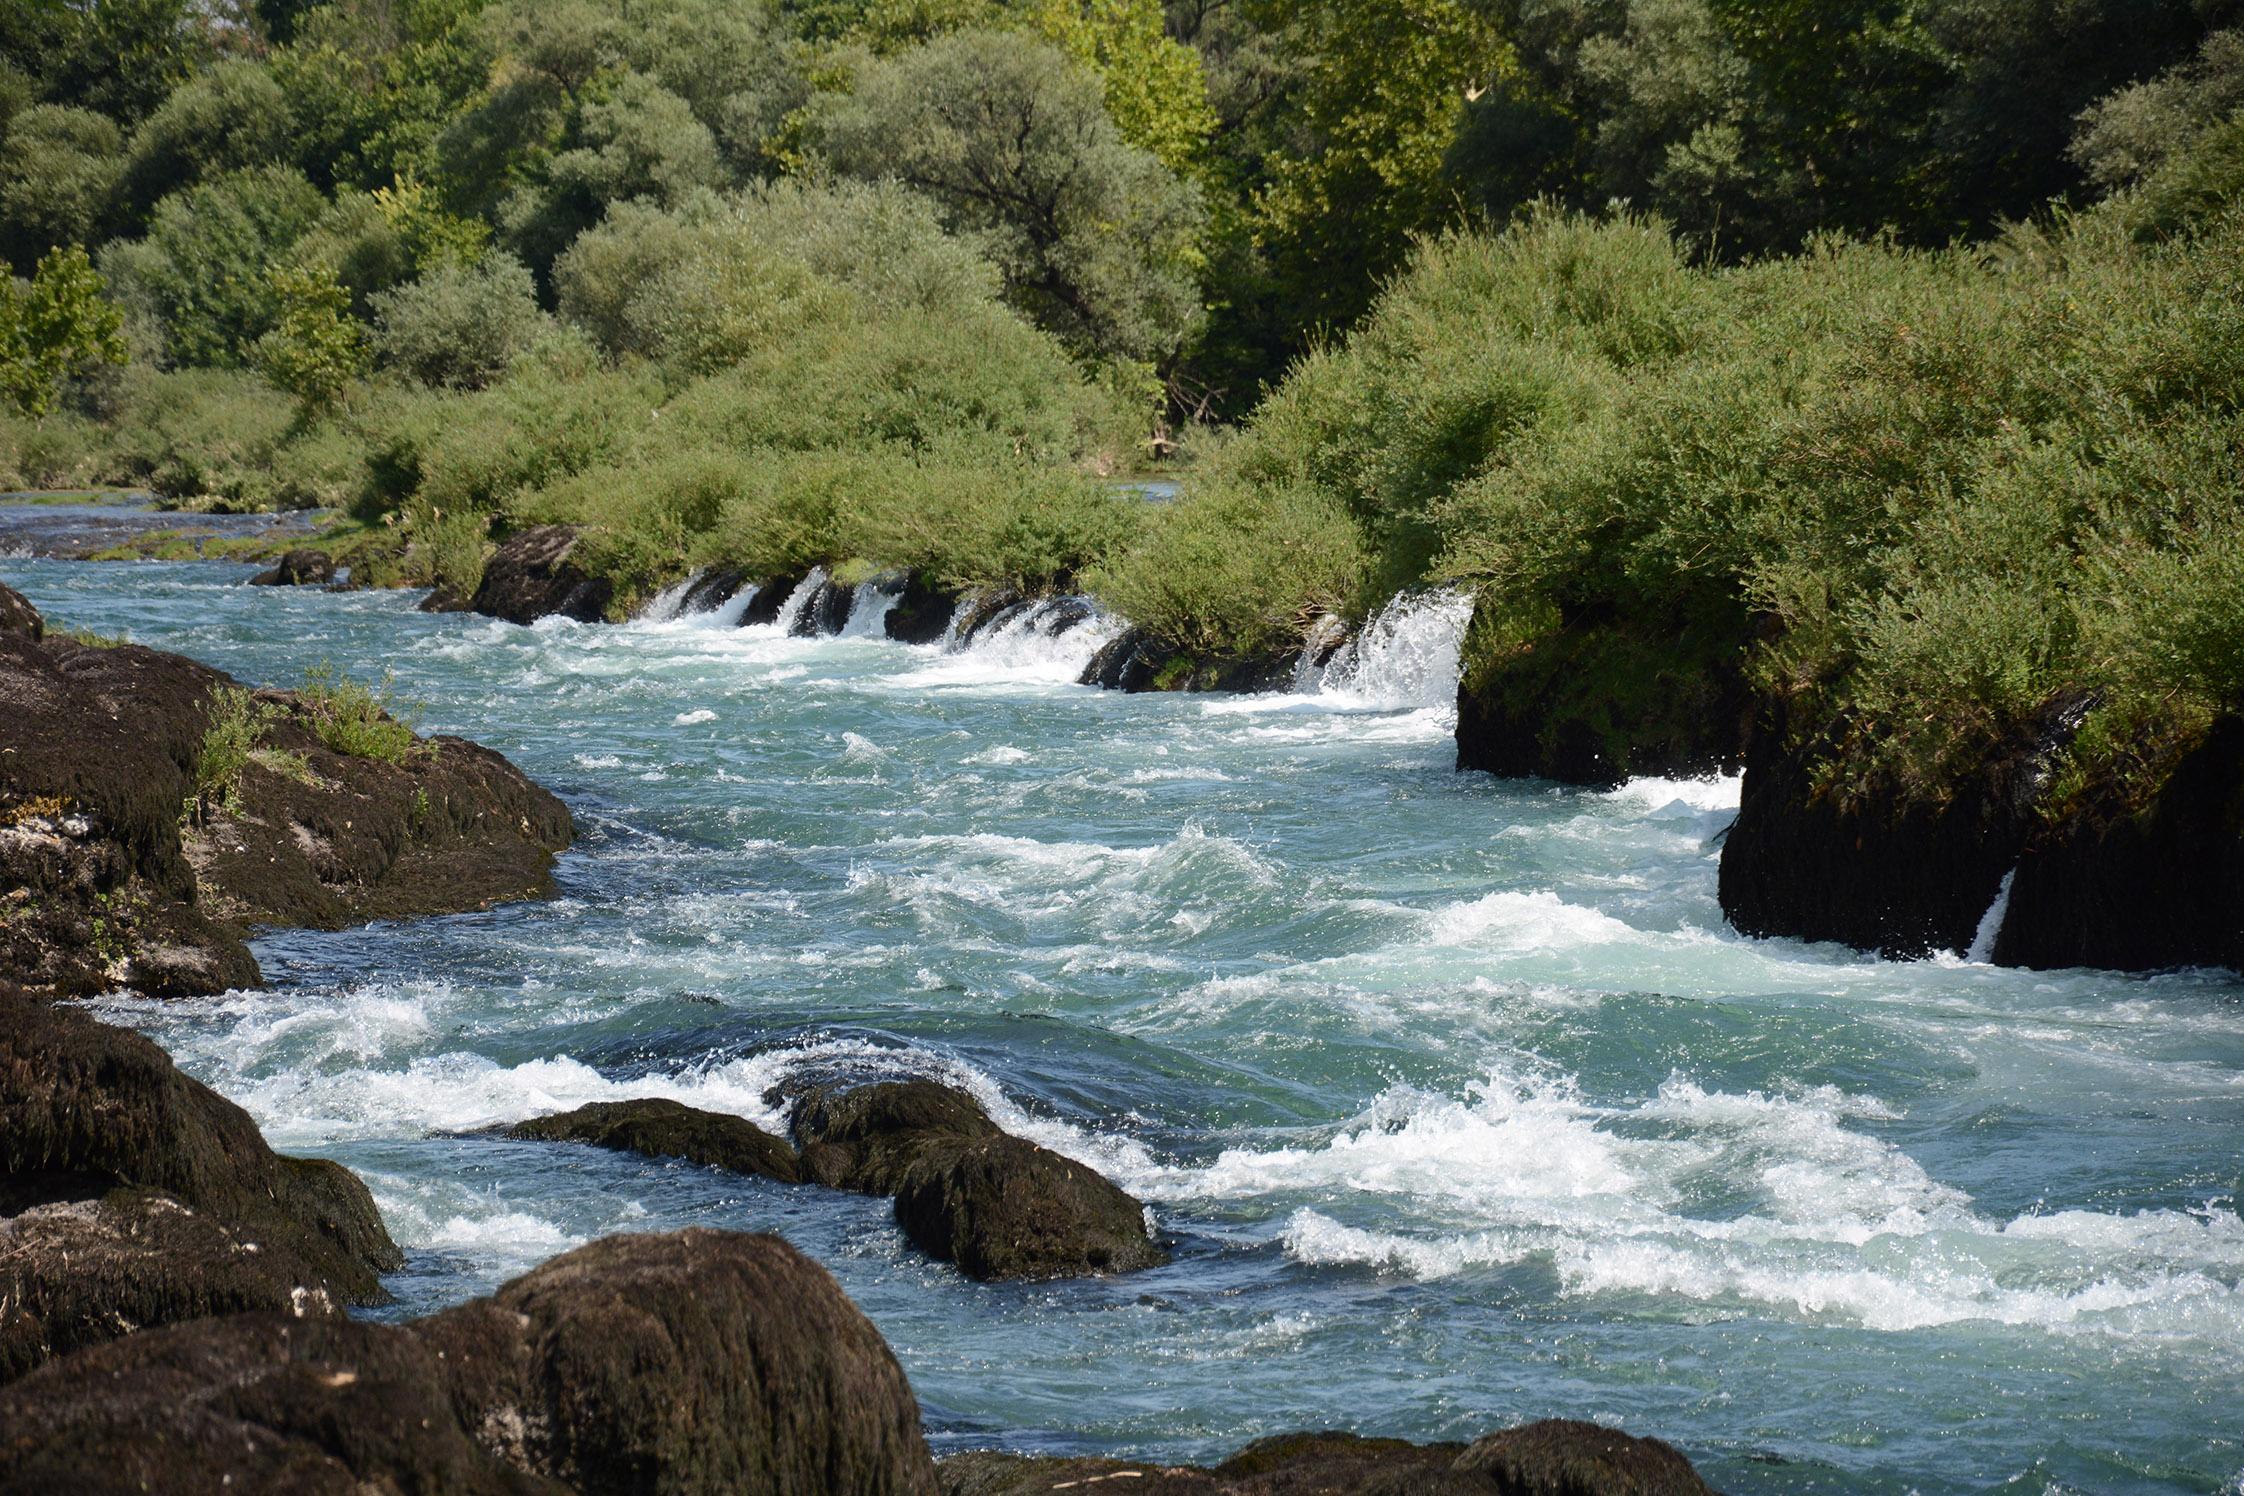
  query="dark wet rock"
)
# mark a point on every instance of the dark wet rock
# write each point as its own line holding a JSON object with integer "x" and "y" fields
{"x": 712, "y": 590}
{"x": 446, "y": 598}
{"x": 1565, "y": 1457}
{"x": 2139, "y": 886}
{"x": 136, "y": 1195}
{"x": 966, "y": 1192}
{"x": 1551, "y": 1458}
{"x": 1898, "y": 869}
{"x": 301, "y": 567}
{"x": 1601, "y": 701}
{"x": 826, "y": 611}
{"x": 1003, "y": 1207}
{"x": 535, "y": 575}
{"x": 94, "y": 1264}
{"x": 662, "y": 1128}
{"x": 922, "y": 611}
{"x": 18, "y": 618}
{"x": 699, "y": 1362}
{"x": 108, "y": 880}
{"x": 868, "y": 1133}
{"x": 989, "y": 609}
{"x": 1872, "y": 868}
{"x": 251, "y": 1403}
{"x": 1135, "y": 660}
{"x": 770, "y": 599}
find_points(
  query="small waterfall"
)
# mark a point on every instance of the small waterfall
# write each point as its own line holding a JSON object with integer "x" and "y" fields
{"x": 1049, "y": 638}
{"x": 1406, "y": 656}
{"x": 1990, "y": 924}
{"x": 727, "y": 614}
{"x": 868, "y": 612}
{"x": 805, "y": 591}
{"x": 666, "y": 605}
{"x": 1317, "y": 650}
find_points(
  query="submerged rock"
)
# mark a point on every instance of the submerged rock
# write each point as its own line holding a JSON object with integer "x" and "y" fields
{"x": 535, "y": 575}
{"x": 826, "y": 611}
{"x": 771, "y": 597}
{"x": 1553, "y": 1458}
{"x": 967, "y": 1192}
{"x": 697, "y": 1362}
{"x": 135, "y": 1195}
{"x": 120, "y": 867}
{"x": 661, "y": 1128}
{"x": 302, "y": 567}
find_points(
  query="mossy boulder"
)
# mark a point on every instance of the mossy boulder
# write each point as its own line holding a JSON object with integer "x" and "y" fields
{"x": 966, "y": 1191}
{"x": 121, "y": 867}
{"x": 535, "y": 574}
{"x": 302, "y": 567}
{"x": 698, "y": 1362}
{"x": 134, "y": 1195}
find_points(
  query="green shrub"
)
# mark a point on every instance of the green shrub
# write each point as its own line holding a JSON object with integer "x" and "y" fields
{"x": 237, "y": 723}
{"x": 355, "y": 719}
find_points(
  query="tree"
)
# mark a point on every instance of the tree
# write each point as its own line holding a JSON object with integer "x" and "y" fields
{"x": 460, "y": 325}
{"x": 1357, "y": 171}
{"x": 229, "y": 118}
{"x": 1098, "y": 241}
{"x": 56, "y": 178}
{"x": 197, "y": 279}
{"x": 56, "y": 328}
{"x": 1155, "y": 88}
{"x": 316, "y": 347}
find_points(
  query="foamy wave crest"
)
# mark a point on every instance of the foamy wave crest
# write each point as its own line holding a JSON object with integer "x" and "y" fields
{"x": 1738, "y": 1202}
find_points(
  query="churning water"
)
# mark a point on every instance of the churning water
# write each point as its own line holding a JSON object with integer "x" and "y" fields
{"x": 1460, "y": 1102}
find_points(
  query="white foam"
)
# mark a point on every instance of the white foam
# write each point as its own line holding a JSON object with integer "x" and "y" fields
{"x": 1036, "y": 647}
{"x": 694, "y": 718}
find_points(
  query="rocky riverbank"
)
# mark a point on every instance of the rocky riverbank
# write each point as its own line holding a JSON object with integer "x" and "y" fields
{"x": 153, "y": 812}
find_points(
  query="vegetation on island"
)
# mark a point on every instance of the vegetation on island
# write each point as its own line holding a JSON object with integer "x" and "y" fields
{"x": 1879, "y": 359}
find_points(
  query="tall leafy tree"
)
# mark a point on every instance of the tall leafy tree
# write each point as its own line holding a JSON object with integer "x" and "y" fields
{"x": 56, "y": 327}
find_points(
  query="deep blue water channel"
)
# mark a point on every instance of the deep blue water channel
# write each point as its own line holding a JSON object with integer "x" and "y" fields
{"x": 1457, "y": 1097}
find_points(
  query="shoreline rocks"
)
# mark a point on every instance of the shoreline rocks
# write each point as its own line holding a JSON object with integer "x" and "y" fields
{"x": 302, "y": 567}
{"x": 134, "y": 1195}
{"x": 659, "y": 1128}
{"x": 123, "y": 865}
{"x": 534, "y": 574}
{"x": 693, "y": 1362}
{"x": 2124, "y": 882}
{"x": 1135, "y": 661}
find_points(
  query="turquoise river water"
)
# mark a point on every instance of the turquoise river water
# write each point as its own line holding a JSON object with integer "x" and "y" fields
{"x": 1457, "y": 1099}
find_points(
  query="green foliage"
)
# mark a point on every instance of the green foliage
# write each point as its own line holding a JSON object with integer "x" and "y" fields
{"x": 56, "y": 328}
{"x": 460, "y": 326}
{"x": 1098, "y": 240}
{"x": 355, "y": 719}
{"x": 316, "y": 347}
{"x": 230, "y": 118}
{"x": 57, "y": 174}
{"x": 1156, "y": 89}
{"x": 198, "y": 280}
{"x": 237, "y": 724}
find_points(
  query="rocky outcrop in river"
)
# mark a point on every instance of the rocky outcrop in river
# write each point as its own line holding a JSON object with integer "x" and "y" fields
{"x": 132, "y": 1195}
{"x": 536, "y": 574}
{"x": 153, "y": 812}
{"x": 2131, "y": 880}
{"x": 965, "y": 1190}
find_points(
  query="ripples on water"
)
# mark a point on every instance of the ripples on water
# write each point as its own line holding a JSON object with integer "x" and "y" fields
{"x": 1461, "y": 1102}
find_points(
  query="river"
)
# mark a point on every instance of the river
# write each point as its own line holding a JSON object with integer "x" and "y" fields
{"x": 1459, "y": 1101}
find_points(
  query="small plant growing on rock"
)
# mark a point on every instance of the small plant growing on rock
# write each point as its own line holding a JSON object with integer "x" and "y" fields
{"x": 237, "y": 721}
{"x": 356, "y": 719}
